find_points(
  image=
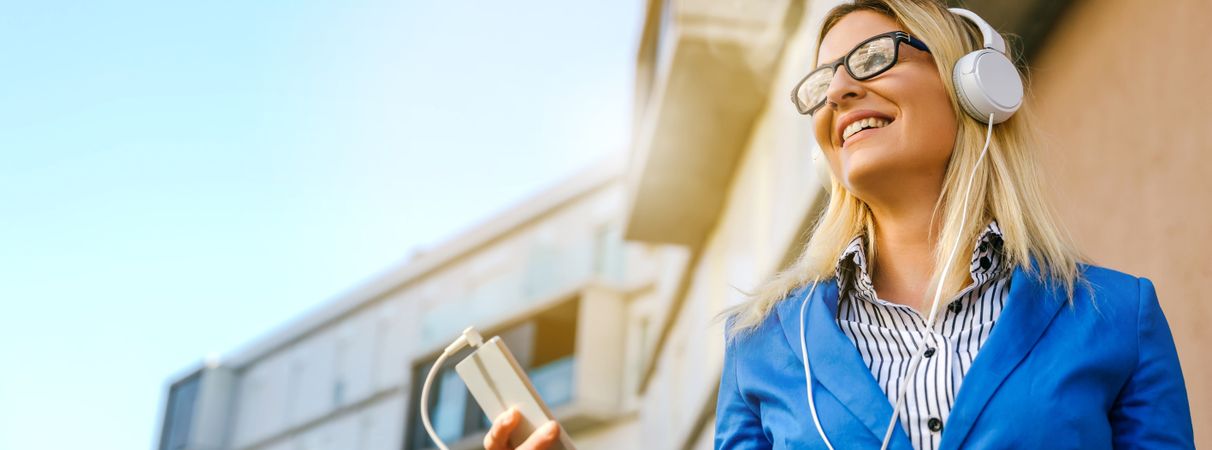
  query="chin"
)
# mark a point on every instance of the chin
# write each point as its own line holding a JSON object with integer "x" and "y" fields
{"x": 869, "y": 167}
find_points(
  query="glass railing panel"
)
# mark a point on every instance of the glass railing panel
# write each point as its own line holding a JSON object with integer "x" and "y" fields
{"x": 452, "y": 401}
{"x": 554, "y": 380}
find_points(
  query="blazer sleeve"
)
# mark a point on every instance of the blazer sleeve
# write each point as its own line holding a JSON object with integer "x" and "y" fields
{"x": 1152, "y": 411}
{"x": 737, "y": 424}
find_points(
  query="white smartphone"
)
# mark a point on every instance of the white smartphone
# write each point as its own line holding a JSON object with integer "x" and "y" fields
{"x": 497, "y": 381}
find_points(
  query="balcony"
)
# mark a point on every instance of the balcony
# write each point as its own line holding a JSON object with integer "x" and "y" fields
{"x": 551, "y": 342}
{"x": 703, "y": 78}
{"x": 196, "y": 409}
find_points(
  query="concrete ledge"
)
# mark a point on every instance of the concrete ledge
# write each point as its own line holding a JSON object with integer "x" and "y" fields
{"x": 699, "y": 115}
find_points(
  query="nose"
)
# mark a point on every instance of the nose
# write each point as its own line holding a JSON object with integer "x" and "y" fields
{"x": 842, "y": 88}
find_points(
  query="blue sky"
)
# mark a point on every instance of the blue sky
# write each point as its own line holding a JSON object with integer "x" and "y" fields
{"x": 178, "y": 178}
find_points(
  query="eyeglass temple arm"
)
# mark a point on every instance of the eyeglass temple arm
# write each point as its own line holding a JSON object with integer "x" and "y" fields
{"x": 915, "y": 43}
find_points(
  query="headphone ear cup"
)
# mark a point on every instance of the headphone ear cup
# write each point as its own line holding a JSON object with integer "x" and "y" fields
{"x": 986, "y": 82}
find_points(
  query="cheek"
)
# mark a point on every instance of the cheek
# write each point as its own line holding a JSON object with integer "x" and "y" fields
{"x": 932, "y": 128}
{"x": 821, "y": 124}
{"x": 944, "y": 127}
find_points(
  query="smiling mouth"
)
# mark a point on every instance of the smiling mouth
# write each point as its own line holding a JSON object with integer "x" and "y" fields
{"x": 863, "y": 127}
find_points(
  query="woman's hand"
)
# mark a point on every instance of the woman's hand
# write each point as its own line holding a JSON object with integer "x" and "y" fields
{"x": 498, "y": 435}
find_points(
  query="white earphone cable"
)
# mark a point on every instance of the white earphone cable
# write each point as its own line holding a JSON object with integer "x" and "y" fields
{"x": 916, "y": 360}
{"x": 469, "y": 337}
{"x": 808, "y": 371}
{"x": 433, "y": 435}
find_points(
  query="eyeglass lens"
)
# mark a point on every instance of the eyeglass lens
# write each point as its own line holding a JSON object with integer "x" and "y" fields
{"x": 871, "y": 57}
{"x": 863, "y": 62}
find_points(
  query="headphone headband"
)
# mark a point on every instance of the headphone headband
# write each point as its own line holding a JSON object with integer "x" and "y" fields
{"x": 992, "y": 39}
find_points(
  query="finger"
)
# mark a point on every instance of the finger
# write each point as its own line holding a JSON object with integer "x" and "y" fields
{"x": 498, "y": 436}
{"x": 543, "y": 437}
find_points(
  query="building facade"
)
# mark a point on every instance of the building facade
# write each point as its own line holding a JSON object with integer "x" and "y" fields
{"x": 607, "y": 286}
{"x": 552, "y": 277}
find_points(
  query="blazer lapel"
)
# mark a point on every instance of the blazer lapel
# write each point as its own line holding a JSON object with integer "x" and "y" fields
{"x": 1029, "y": 310}
{"x": 836, "y": 363}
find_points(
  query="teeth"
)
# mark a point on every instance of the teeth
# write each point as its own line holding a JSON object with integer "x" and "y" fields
{"x": 859, "y": 125}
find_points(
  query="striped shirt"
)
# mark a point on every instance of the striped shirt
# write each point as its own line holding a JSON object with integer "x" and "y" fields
{"x": 887, "y": 334}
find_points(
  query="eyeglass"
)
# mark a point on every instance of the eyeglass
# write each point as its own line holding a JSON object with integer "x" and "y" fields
{"x": 871, "y": 57}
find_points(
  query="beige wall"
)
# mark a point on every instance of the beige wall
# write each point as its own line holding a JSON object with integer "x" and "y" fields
{"x": 761, "y": 191}
{"x": 1122, "y": 90}
{"x": 770, "y": 195}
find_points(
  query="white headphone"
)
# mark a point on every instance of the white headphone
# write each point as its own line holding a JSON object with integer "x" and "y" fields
{"x": 986, "y": 82}
{"x": 990, "y": 89}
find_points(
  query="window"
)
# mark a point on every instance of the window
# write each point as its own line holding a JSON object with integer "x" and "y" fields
{"x": 608, "y": 253}
{"x": 379, "y": 353}
{"x": 452, "y": 410}
{"x": 341, "y": 369}
{"x": 294, "y": 392}
{"x": 544, "y": 346}
{"x": 179, "y": 413}
{"x": 553, "y": 267}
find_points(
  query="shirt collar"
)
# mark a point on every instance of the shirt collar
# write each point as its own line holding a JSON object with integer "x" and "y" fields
{"x": 986, "y": 261}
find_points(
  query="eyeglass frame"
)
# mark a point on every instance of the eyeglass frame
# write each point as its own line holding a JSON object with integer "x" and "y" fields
{"x": 897, "y": 36}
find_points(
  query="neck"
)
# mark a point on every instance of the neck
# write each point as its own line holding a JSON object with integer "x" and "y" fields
{"x": 905, "y": 241}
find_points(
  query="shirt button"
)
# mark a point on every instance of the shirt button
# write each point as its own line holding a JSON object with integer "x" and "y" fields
{"x": 935, "y": 424}
{"x": 929, "y": 352}
{"x": 955, "y": 306}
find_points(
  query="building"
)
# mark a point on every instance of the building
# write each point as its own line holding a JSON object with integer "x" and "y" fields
{"x": 718, "y": 191}
{"x": 552, "y": 277}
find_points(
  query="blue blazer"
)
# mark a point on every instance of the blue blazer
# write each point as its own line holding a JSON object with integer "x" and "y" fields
{"x": 1101, "y": 373}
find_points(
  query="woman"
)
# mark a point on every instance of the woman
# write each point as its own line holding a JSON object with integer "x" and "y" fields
{"x": 1080, "y": 357}
{"x": 929, "y": 203}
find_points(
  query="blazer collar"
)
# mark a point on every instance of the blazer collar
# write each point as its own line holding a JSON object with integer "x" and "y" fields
{"x": 1030, "y": 309}
{"x": 836, "y": 363}
{"x": 838, "y": 367}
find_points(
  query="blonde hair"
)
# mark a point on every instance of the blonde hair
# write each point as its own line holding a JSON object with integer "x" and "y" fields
{"x": 1008, "y": 186}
